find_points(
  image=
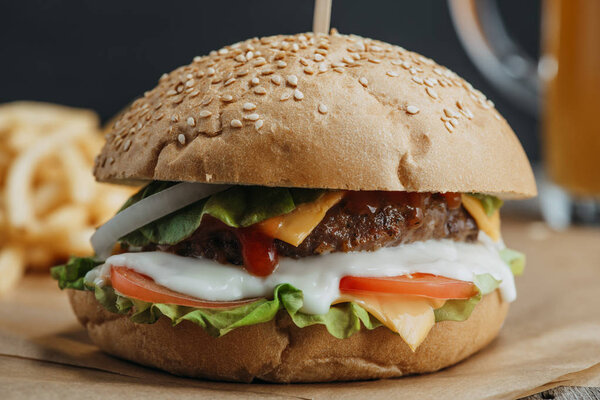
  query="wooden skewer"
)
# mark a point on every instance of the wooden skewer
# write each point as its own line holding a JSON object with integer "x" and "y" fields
{"x": 322, "y": 16}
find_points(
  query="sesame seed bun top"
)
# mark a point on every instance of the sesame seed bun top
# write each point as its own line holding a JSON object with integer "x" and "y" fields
{"x": 326, "y": 111}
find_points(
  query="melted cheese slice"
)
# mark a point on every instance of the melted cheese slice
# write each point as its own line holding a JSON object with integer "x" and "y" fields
{"x": 295, "y": 226}
{"x": 411, "y": 317}
{"x": 490, "y": 225}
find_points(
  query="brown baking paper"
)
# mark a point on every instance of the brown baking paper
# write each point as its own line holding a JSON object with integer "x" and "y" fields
{"x": 551, "y": 338}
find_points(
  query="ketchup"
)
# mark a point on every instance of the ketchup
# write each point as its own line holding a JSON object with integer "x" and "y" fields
{"x": 258, "y": 251}
{"x": 452, "y": 199}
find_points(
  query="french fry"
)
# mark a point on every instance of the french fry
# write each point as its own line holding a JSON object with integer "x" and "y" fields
{"x": 12, "y": 266}
{"x": 49, "y": 202}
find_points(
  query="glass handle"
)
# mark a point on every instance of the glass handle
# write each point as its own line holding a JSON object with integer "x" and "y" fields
{"x": 501, "y": 60}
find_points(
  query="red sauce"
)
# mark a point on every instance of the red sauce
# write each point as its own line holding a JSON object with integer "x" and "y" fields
{"x": 258, "y": 251}
{"x": 452, "y": 199}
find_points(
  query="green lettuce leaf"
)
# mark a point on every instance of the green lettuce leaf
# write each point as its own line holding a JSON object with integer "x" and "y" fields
{"x": 71, "y": 274}
{"x": 490, "y": 203}
{"x": 239, "y": 206}
{"x": 460, "y": 310}
{"x": 341, "y": 321}
{"x": 514, "y": 259}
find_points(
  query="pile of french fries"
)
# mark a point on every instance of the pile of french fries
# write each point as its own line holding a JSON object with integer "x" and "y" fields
{"x": 49, "y": 202}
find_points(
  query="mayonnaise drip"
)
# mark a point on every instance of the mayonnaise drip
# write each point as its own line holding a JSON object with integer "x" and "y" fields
{"x": 318, "y": 276}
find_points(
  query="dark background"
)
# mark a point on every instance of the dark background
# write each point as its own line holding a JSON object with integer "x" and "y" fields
{"x": 101, "y": 54}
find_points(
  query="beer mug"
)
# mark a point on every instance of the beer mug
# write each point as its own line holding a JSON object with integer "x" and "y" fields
{"x": 564, "y": 86}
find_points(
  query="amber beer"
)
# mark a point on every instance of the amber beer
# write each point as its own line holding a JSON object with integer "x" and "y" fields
{"x": 571, "y": 115}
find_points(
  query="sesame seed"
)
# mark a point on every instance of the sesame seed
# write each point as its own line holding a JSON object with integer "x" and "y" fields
{"x": 396, "y": 62}
{"x": 191, "y": 121}
{"x": 127, "y": 145}
{"x": 323, "y": 108}
{"x": 240, "y": 58}
{"x": 348, "y": 60}
{"x": 450, "y": 113}
{"x": 260, "y": 90}
{"x": 375, "y": 60}
{"x": 197, "y": 59}
{"x": 412, "y": 109}
{"x": 429, "y": 82}
{"x": 460, "y": 105}
{"x": 292, "y": 80}
{"x": 204, "y": 114}
{"x": 249, "y": 55}
{"x": 216, "y": 80}
{"x": 229, "y": 81}
{"x": 392, "y": 73}
{"x": 337, "y": 64}
{"x": 295, "y": 47}
{"x": 206, "y": 101}
{"x": 260, "y": 61}
{"x": 200, "y": 74}
{"x": 417, "y": 79}
{"x": 251, "y": 117}
{"x": 174, "y": 118}
{"x": 181, "y": 138}
{"x": 171, "y": 92}
{"x": 303, "y": 61}
{"x": 227, "y": 98}
{"x": 318, "y": 57}
{"x": 267, "y": 71}
{"x": 322, "y": 68}
{"x": 412, "y": 71}
{"x": 431, "y": 92}
{"x": 376, "y": 48}
{"x": 497, "y": 117}
{"x": 298, "y": 95}
{"x": 164, "y": 76}
{"x": 449, "y": 126}
{"x": 339, "y": 70}
{"x": 405, "y": 65}
{"x": 236, "y": 123}
{"x": 363, "y": 81}
{"x": 285, "y": 96}
{"x": 467, "y": 113}
{"x": 281, "y": 64}
{"x": 254, "y": 81}
{"x": 309, "y": 71}
{"x": 258, "y": 124}
{"x": 242, "y": 72}
{"x": 210, "y": 71}
{"x": 276, "y": 79}
{"x": 249, "y": 106}
{"x": 453, "y": 121}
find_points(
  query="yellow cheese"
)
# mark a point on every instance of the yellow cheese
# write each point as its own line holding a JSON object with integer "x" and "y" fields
{"x": 490, "y": 225}
{"x": 295, "y": 226}
{"x": 410, "y": 316}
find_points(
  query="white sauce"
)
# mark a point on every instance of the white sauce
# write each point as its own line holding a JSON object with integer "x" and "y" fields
{"x": 318, "y": 276}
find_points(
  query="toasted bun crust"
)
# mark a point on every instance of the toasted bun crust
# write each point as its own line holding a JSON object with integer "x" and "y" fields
{"x": 327, "y": 111}
{"x": 279, "y": 351}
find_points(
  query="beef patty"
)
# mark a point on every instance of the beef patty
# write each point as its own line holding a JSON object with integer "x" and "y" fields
{"x": 361, "y": 221}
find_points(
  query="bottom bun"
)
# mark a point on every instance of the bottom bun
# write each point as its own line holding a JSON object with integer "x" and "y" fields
{"x": 279, "y": 351}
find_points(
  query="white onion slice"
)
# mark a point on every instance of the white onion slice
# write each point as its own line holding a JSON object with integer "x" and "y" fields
{"x": 147, "y": 210}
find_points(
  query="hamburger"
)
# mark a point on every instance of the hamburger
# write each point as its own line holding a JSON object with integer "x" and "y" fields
{"x": 315, "y": 208}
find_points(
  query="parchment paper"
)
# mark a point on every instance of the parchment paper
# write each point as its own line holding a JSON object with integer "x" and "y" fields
{"x": 551, "y": 338}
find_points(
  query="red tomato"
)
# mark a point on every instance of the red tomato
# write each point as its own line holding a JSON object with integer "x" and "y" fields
{"x": 141, "y": 287}
{"x": 425, "y": 285}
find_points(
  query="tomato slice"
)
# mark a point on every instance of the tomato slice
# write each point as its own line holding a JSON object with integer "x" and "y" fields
{"x": 425, "y": 285}
{"x": 141, "y": 287}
